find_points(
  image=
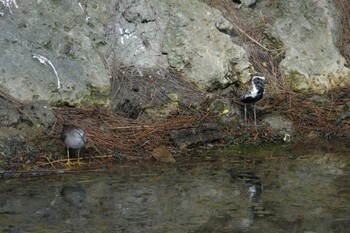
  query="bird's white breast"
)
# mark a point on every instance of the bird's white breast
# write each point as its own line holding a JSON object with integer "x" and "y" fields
{"x": 252, "y": 93}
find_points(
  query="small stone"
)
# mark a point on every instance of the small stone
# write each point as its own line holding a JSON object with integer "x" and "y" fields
{"x": 279, "y": 123}
{"x": 39, "y": 113}
{"x": 162, "y": 154}
{"x": 9, "y": 114}
{"x": 248, "y": 3}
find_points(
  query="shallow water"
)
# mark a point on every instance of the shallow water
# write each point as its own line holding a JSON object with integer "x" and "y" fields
{"x": 275, "y": 189}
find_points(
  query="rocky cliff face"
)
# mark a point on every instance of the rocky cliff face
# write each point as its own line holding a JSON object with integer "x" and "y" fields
{"x": 82, "y": 40}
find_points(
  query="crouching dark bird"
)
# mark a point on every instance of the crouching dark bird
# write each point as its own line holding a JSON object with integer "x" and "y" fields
{"x": 74, "y": 138}
{"x": 250, "y": 93}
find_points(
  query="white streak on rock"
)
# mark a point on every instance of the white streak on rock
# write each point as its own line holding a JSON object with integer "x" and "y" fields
{"x": 42, "y": 59}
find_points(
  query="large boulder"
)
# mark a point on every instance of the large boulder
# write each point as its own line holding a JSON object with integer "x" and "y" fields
{"x": 188, "y": 35}
{"x": 199, "y": 44}
{"x": 21, "y": 124}
{"x": 66, "y": 33}
{"x": 309, "y": 31}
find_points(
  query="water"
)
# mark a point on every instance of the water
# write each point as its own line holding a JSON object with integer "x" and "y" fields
{"x": 289, "y": 190}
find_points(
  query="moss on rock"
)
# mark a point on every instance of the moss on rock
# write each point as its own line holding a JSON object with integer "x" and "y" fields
{"x": 99, "y": 96}
{"x": 297, "y": 81}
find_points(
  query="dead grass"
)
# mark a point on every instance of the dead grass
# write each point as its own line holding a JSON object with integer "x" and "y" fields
{"x": 308, "y": 116}
{"x": 108, "y": 132}
{"x": 135, "y": 89}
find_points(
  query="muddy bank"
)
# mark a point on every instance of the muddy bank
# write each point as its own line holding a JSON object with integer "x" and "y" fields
{"x": 31, "y": 140}
{"x": 147, "y": 83}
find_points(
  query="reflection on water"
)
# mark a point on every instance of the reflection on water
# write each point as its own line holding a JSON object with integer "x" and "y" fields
{"x": 309, "y": 193}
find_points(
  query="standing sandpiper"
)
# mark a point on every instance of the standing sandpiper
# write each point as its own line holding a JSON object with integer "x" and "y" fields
{"x": 75, "y": 138}
{"x": 251, "y": 93}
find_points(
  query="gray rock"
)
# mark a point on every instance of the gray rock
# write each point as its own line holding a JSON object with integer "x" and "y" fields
{"x": 153, "y": 34}
{"x": 248, "y": 3}
{"x": 199, "y": 45}
{"x": 84, "y": 40}
{"x": 13, "y": 146}
{"x": 60, "y": 32}
{"x": 9, "y": 114}
{"x": 40, "y": 114}
{"x": 279, "y": 124}
{"x": 21, "y": 124}
{"x": 309, "y": 31}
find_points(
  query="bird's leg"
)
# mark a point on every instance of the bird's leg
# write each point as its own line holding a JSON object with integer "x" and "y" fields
{"x": 245, "y": 114}
{"x": 78, "y": 161}
{"x": 254, "y": 108}
{"x": 68, "y": 163}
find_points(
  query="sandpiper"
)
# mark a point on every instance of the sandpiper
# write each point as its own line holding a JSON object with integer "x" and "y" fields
{"x": 250, "y": 94}
{"x": 75, "y": 138}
